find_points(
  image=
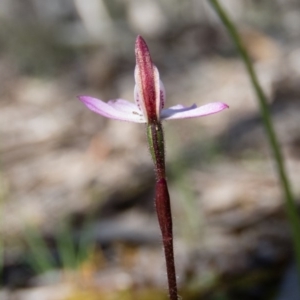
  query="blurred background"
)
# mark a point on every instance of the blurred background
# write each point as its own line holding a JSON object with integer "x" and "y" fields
{"x": 76, "y": 190}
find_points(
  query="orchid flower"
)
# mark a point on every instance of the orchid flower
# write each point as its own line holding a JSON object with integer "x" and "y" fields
{"x": 149, "y": 95}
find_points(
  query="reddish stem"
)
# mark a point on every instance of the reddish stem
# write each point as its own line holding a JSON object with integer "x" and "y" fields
{"x": 162, "y": 202}
{"x": 163, "y": 209}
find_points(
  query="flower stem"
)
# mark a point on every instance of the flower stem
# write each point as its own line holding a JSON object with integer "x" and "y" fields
{"x": 157, "y": 148}
{"x": 163, "y": 209}
{"x": 162, "y": 202}
{"x": 291, "y": 207}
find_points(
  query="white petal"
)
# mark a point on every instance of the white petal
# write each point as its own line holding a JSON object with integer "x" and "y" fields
{"x": 157, "y": 85}
{"x": 115, "y": 109}
{"x": 181, "y": 112}
{"x": 138, "y": 94}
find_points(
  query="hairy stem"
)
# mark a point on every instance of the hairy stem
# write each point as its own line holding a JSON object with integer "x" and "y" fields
{"x": 164, "y": 215}
{"x": 162, "y": 202}
{"x": 157, "y": 148}
{"x": 290, "y": 204}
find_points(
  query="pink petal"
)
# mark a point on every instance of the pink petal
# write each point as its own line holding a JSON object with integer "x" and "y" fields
{"x": 181, "y": 112}
{"x": 115, "y": 109}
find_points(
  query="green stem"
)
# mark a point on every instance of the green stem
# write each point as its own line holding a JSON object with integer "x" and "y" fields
{"x": 157, "y": 148}
{"x": 291, "y": 207}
